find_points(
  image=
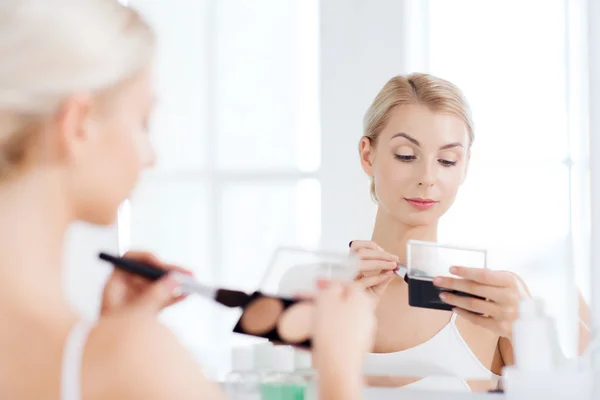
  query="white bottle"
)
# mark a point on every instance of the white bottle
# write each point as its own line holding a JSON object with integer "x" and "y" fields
{"x": 243, "y": 382}
{"x": 534, "y": 338}
{"x": 263, "y": 357}
{"x": 281, "y": 383}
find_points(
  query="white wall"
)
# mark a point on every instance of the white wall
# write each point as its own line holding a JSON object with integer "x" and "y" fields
{"x": 594, "y": 149}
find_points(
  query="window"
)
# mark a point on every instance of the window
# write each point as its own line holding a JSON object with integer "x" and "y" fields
{"x": 238, "y": 142}
{"x": 522, "y": 199}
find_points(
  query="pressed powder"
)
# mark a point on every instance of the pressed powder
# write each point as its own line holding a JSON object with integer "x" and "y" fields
{"x": 295, "y": 325}
{"x": 261, "y": 315}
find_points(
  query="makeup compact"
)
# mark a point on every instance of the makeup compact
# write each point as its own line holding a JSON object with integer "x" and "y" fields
{"x": 278, "y": 319}
{"x": 273, "y": 312}
{"x": 426, "y": 260}
{"x": 294, "y": 271}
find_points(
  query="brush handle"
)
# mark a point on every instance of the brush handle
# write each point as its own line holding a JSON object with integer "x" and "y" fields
{"x": 188, "y": 284}
{"x": 135, "y": 267}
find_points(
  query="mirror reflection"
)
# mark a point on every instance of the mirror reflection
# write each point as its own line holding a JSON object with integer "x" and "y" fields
{"x": 354, "y": 128}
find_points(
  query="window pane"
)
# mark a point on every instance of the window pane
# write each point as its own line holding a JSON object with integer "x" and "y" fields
{"x": 509, "y": 58}
{"x": 267, "y": 84}
{"x": 171, "y": 220}
{"x": 180, "y": 120}
{"x": 522, "y": 216}
{"x": 503, "y": 206}
{"x": 257, "y": 218}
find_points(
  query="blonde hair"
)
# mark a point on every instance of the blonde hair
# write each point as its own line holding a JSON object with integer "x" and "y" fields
{"x": 432, "y": 92}
{"x": 53, "y": 49}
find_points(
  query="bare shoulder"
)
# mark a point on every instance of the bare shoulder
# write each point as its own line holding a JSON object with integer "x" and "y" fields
{"x": 136, "y": 357}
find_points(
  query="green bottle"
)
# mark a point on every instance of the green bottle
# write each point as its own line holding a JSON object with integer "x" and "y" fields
{"x": 281, "y": 383}
{"x": 305, "y": 370}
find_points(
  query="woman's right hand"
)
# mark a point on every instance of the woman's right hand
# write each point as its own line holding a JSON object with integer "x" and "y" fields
{"x": 376, "y": 266}
{"x": 124, "y": 289}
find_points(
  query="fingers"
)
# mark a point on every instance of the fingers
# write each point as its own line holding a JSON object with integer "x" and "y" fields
{"x": 338, "y": 295}
{"x": 304, "y": 296}
{"x": 486, "y": 276}
{"x": 150, "y": 258}
{"x": 502, "y": 290}
{"x": 372, "y": 262}
{"x": 323, "y": 283}
{"x": 329, "y": 296}
{"x": 501, "y": 295}
{"x": 357, "y": 297}
{"x": 370, "y": 281}
{"x": 160, "y": 294}
{"x": 144, "y": 256}
{"x": 360, "y": 244}
{"x": 377, "y": 266}
{"x": 369, "y": 254}
{"x": 172, "y": 267}
{"x": 474, "y": 305}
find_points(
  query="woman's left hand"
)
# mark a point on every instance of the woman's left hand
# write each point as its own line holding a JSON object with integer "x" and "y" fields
{"x": 501, "y": 292}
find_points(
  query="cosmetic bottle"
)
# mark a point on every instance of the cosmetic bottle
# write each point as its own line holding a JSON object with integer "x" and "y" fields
{"x": 243, "y": 382}
{"x": 541, "y": 370}
{"x": 282, "y": 383}
{"x": 534, "y": 338}
{"x": 304, "y": 370}
{"x": 263, "y": 358}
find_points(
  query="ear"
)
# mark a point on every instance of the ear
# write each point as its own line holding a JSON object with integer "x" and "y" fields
{"x": 73, "y": 125}
{"x": 367, "y": 155}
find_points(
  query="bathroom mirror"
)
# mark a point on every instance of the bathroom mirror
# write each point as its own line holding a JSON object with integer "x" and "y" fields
{"x": 257, "y": 130}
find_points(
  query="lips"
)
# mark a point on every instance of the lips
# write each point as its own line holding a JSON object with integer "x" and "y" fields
{"x": 421, "y": 204}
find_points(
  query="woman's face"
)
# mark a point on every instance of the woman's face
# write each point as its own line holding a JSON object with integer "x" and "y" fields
{"x": 418, "y": 163}
{"x": 111, "y": 151}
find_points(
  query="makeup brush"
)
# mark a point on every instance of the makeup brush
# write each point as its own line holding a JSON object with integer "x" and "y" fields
{"x": 402, "y": 272}
{"x": 226, "y": 297}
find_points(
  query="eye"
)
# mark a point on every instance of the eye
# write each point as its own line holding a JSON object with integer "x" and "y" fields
{"x": 447, "y": 163}
{"x": 405, "y": 158}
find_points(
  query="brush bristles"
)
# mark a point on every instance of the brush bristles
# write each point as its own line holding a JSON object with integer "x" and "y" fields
{"x": 232, "y": 298}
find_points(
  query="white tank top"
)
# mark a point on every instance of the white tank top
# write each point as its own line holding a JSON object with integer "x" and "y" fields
{"x": 72, "y": 361}
{"x": 445, "y": 361}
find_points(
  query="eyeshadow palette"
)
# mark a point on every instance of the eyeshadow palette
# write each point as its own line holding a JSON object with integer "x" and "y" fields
{"x": 278, "y": 319}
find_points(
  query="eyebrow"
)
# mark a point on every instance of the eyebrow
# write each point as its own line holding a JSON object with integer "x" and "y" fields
{"x": 416, "y": 142}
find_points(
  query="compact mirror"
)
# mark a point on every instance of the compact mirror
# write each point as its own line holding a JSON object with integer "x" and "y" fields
{"x": 426, "y": 260}
{"x": 294, "y": 271}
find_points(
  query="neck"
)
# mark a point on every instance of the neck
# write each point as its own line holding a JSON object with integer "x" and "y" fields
{"x": 35, "y": 217}
{"x": 392, "y": 235}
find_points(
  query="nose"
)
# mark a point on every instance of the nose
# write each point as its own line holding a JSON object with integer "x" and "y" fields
{"x": 427, "y": 176}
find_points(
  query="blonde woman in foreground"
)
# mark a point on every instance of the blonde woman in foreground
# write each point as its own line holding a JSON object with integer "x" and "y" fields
{"x": 75, "y": 98}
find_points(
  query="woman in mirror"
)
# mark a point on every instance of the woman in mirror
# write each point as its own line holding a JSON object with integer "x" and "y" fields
{"x": 416, "y": 148}
{"x": 75, "y": 100}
